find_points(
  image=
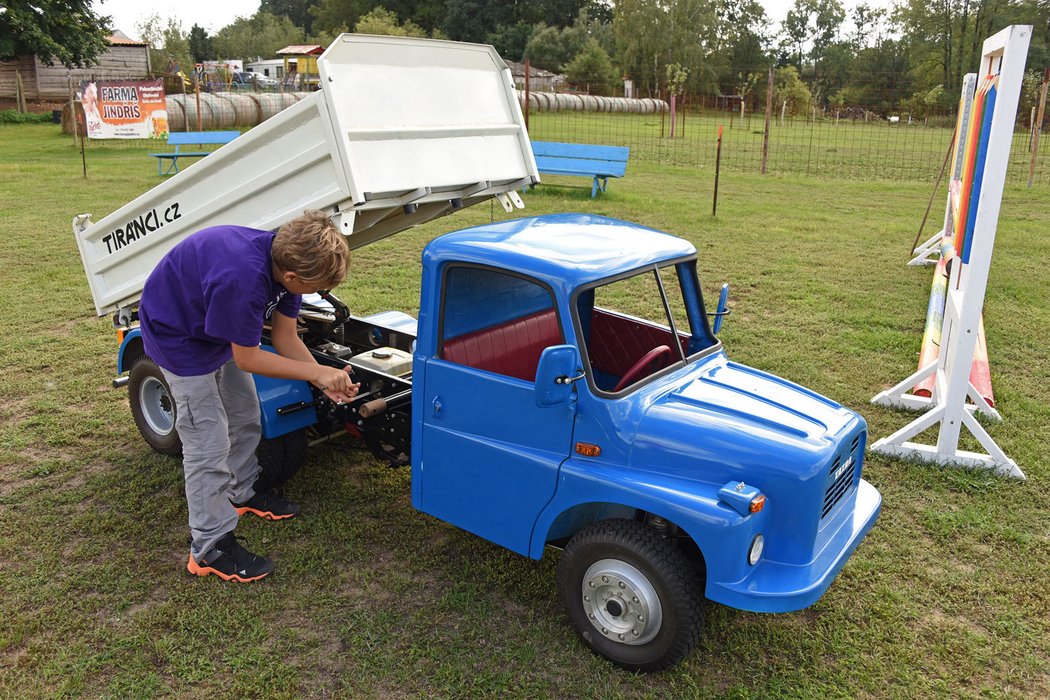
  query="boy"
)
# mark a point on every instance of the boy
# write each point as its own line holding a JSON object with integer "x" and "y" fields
{"x": 202, "y": 314}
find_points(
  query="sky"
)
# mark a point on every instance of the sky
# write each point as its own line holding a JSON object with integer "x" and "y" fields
{"x": 213, "y": 15}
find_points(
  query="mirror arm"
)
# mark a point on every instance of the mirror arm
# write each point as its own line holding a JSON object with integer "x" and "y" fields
{"x": 565, "y": 379}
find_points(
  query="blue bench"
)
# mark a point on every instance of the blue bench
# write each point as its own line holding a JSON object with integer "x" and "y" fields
{"x": 178, "y": 139}
{"x": 599, "y": 162}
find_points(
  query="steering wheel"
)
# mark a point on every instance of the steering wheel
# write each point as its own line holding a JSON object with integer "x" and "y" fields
{"x": 644, "y": 361}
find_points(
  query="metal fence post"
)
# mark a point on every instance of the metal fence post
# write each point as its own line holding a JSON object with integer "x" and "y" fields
{"x": 769, "y": 114}
{"x": 1038, "y": 126}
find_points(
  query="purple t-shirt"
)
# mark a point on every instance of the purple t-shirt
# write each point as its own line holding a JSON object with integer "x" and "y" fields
{"x": 214, "y": 288}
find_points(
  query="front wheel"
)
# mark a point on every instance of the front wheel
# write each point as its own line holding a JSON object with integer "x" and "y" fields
{"x": 634, "y": 597}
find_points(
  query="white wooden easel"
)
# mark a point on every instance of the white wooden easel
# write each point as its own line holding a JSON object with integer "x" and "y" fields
{"x": 1003, "y": 55}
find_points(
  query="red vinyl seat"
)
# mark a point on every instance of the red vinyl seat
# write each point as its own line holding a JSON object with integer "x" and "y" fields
{"x": 512, "y": 348}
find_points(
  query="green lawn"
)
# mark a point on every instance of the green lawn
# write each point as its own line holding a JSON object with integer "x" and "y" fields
{"x": 947, "y": 597}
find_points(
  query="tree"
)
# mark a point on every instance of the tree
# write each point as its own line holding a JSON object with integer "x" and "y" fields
{"x": 384, "y": 22}
{"x": 551, "y": 48}
{"x": 332, "y": 15}
{"x": 510, "y": 40}
{"x": 338, "y": 15}
{"x": 814, "y": 23}
{"x": 943, "y": 39}
{"x": 787, "y": 87}
{"x": 473, "y": 20}
{"x": 298, "y": 11}
{"x": 834, "y": 70}
{"x": 743, "y": 47}
{"x": 262, "y": 34}
{"x": 201, "y": 46}
{"x": 67, "y": 31}
{"x": 811, "y": 32}
{"x": 591, "y": 67}
{"x": 869, "y": 26}
{"x": 650, "y": 34}
{"x": 879, "y": 78}
{"x": 169, "y": 46}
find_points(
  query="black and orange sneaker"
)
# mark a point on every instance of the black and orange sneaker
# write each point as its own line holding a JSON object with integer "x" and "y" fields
{"x": 269, "y": 505}
{"x": 231, "y": 562}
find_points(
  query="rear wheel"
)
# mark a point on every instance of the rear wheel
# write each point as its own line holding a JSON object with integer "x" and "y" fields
{"x": 152, "y": 407}
{"x": 633, "y": 596}
{"x": 280, "y": 458}
{"x": 154, "y": 411}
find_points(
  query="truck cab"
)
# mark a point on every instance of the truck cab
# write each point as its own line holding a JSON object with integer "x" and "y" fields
{"x": 568, "y": 391}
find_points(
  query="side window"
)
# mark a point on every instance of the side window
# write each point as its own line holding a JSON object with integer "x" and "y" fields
{"x": 497, "y": 322}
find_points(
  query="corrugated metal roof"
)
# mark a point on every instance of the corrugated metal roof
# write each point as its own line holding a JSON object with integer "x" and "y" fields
{"x": 301, "y": 50}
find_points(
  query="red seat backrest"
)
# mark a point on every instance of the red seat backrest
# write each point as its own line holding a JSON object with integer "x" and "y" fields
{"x": 512, "y": 348}
{"x": 617, "y": 342}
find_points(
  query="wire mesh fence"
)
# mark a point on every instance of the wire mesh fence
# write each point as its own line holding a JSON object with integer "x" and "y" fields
{"x": 841, "y": 144}
{"x": 855, "y": 143}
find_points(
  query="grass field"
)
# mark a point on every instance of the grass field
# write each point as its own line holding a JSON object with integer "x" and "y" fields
{"x": 947, "y": 597}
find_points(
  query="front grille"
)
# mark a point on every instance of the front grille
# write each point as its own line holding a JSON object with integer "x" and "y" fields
{"x": 840, "y": 479}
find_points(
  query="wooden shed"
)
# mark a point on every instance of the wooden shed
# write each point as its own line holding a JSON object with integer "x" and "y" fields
{"x": 539, "y": 80}
{"x": 126, "y": 59}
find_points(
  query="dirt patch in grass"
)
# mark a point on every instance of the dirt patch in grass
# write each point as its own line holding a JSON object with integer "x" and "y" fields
{"x": 936, "y": 619}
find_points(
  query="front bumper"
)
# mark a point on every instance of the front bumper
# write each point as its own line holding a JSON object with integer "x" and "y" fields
{"x": 772, "y": 586}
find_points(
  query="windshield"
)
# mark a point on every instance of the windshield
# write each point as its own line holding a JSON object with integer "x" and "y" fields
{"x": 635, "y": 327}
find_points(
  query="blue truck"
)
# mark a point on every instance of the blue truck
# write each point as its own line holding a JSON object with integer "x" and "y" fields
{"x": 565, "y": 391}
{"x": 563, "y": 388}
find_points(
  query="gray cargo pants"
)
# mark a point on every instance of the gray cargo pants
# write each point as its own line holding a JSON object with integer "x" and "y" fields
{"x": 217, "y": 418}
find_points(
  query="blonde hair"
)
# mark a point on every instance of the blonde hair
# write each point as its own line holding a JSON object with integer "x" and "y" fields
{"x": 312, "y": 248}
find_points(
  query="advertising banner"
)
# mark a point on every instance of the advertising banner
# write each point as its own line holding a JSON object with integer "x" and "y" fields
{"x": 124, "y": 109}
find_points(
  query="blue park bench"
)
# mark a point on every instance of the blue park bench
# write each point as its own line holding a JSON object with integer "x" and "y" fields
{"x": 190, "y": 138}
{"x": 599, "y": 162}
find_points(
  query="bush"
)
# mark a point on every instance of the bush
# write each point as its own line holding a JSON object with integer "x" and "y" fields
{"x": 13, "y": 116}
{"x": 591, "y": 67}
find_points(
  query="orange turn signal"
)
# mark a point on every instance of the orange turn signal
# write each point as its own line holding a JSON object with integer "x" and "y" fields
{"x": 758, "y": 503}
{"x": 587, "y": 449}
{"x": 120, "y": 335}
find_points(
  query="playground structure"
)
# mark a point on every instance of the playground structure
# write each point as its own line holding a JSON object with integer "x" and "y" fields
{"x": 964, "y": 247}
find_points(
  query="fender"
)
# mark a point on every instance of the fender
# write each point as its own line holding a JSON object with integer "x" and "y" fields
{"x": 722, "y": 534}
{"x": 273, "y": 393}
{"x": 130, "y": 350}
{"x": 278, "y": 393}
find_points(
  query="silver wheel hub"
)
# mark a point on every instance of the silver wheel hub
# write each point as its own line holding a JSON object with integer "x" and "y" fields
{"x": 157, "y": 406}
{"x": 620, "y": 602}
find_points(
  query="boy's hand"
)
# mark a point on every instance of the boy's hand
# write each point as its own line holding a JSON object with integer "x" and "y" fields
{"x": 336, "y": 384}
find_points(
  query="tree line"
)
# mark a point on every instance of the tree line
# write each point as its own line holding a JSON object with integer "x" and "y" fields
{"x": 908, "y": 56}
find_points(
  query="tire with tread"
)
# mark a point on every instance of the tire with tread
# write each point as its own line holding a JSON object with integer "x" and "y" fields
{"x": 280, "y": 458}
{"x": 675, "y": 580}
{"x": 154, "y": 411}
{"x": 152, "y": 407}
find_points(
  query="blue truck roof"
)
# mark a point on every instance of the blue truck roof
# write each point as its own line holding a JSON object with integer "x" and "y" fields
{"x": 564, "y": 250}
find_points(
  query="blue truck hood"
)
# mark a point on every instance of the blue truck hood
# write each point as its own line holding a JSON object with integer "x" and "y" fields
{"x": 718, "y": 421}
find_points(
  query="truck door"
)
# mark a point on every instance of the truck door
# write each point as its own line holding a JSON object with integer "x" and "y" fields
{"x": 490, "y": 455}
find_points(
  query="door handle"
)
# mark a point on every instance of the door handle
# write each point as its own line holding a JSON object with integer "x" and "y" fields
{"x": 437, "y": 406}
